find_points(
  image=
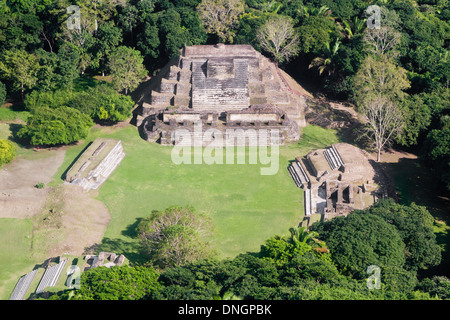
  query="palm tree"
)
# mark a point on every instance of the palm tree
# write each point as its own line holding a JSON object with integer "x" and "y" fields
{"x": 272, "y": 6}
{"x": 308, "y": 237}
{"x": 358, "y": 27}
{"x": 326, "y": 63}
{"x": 301, "y": 235}
{"x": 322, "y": 11}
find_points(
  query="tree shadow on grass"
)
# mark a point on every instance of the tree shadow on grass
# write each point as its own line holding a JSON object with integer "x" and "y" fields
{"x": 129, "y": 248}
{"x": 14, "y": 128}
{"x": 130, "y": 230}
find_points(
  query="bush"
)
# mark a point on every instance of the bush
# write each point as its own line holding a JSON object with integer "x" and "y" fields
{"x": 50, "y": 99}
{"x": 7, "y": 152}
{"x": 103, "y": 103}
{"x": 40, "y": 185}
{"x": 49, "y": 127}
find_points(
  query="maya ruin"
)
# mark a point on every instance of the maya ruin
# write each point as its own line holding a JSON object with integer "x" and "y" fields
{"x": 223, "y": 87}
{"x": 336, "y": 180}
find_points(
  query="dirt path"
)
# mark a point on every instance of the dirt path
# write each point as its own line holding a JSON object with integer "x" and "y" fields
{"x": 19, "y": 198}
{"x": 80, "y": 221}
{"x": 66, "y": 219}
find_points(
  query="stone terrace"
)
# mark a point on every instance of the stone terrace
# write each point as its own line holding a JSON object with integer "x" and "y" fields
{"x": 219, "y": 79}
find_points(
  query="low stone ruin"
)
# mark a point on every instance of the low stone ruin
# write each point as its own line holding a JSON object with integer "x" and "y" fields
{"x": 51, "y": 275}
{"x": 104, "y": 259}
{"x": 96, "y": 164}
{"x": 244, "y": 127}
{"x": 223, "y": 86}
{"x": 53, "y": 268}
{"x": 23, "y": 285}
{"x": 336, "y": 180}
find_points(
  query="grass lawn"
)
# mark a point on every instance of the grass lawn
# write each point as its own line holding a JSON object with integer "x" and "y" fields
{"x": 15, "y": 251}
{"x": 246, "y": 207}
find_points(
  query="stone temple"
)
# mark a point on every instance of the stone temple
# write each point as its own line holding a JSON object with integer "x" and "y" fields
{"x": 221, "y": 87}
{"x": 336, "y": 180}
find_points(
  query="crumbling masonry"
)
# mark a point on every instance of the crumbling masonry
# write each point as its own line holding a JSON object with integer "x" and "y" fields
{"x": 223, "y": 87}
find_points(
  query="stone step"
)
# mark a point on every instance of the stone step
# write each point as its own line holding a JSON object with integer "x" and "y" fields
{"x": 295, "y": 177}
{"x": 22, "y": 286}
{"x": 298, "y": 166}
{"x": 307, "y": 201}
{"x": 50, "y": 276}
{"x": 333, "y": 158}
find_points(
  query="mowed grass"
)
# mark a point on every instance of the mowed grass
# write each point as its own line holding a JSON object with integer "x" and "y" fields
{"x": 15, "y": 251}
{"x": 246, "y": 208}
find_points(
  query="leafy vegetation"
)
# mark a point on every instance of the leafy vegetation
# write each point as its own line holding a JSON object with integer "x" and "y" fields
{"x": 50, "y": 127}
{"x": 396, "y": 75}
{"x": 298, "y": 266}
{"x": 7, "y": 152}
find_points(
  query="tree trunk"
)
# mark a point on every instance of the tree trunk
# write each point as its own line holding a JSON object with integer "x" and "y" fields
{"x": 379, "y": 155}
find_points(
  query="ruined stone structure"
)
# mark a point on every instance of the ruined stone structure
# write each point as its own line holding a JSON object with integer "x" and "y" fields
{"x": 336, "y": 180}
{"x": 104, "y": 259}
{"x": 96, "y": 164}
{"x": 222, "y": 87}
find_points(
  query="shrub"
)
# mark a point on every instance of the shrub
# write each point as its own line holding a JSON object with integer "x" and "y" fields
{"x": 7, "y": 152}
{"x": 48, "y": 127}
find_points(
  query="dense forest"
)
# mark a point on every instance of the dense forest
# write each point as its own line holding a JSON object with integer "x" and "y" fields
{"x": 397, "y": 239}
{"x": 48, "y": 48}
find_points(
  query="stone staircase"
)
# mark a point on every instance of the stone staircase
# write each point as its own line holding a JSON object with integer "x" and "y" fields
{"x": 307, "y": 201}
{"x": 299, "y": 174}
{"x": 333, "y": 157}
{"x": 50, "y": 276}
{"x": 22, "y": 286}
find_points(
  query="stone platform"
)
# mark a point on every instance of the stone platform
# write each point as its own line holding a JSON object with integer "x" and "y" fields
{"x": 217, "y": 81}
{"x": 96, "y": 164}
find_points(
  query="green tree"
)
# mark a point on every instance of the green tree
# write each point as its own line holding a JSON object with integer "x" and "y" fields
{"x": 108, "y": 38}
{"x": 20, "y": 32}
{"x": 360, "y": 240}
{"x": 417, "y": 120}
{"x": 2, "y": 93}
{"x": 126, "y": 67}
{"x": 117, "y": 283}
{"x": 437, "y": 154}
{"x": 415, "y": 226}
{"x": 7, "y": 152}
{"x": 103, "y": 104}
{"x": 21, "y": 68}
{"x": 49, "y": 127}
{"x": 175, "y": 236}
{"x": 315, "y": 32}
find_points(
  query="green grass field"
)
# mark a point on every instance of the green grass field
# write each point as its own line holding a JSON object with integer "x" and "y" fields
{"x": 15, "y": 253}
{"x": 246, "y": 208}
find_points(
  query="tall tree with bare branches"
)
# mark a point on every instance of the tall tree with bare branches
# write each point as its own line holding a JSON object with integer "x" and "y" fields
{"x": 379, "y": 86}
{"x": 384, "y": 121}
{"x": 277, "y": 36}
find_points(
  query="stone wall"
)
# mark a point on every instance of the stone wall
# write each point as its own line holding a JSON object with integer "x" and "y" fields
{"x": 96, "y": 164}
